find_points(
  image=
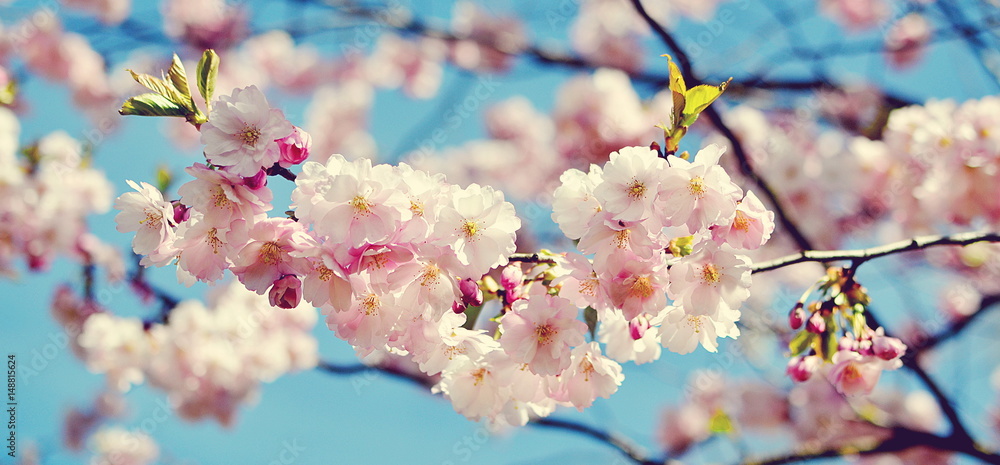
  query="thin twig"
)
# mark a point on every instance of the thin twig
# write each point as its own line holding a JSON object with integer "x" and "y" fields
{"x": 862, "y": 255}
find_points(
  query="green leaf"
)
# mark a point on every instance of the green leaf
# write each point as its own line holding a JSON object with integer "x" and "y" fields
{"x": 471, "y": 314}
{"x": 698, "y": 98}
{"x": 178, "y": 77}
{"x": 163, "y": 178}
{"x": 590, "y": 316}
{"x": 720, "y": 423}
{"x": 208, "y": 70}
{"x": 830, "y": 345}
{"x": 164, "y": 88}
{"x": 151, "y": 105}
{"x": 681, "y": 246}
{"x": 801, "y": 342}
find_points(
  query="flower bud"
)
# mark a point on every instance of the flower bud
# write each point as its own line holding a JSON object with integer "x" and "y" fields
{"x": 256, "y": 181}
{"x": 181, "y": 212}
{"x": 457, "y": 307}
{"x": 471, "y": 294}
{"x": 638, "y": 326}
{"x": 887, "y": 348}
{"x": 512, "y": 280}
{"x": 797, "y": 316}
{"x": 294, "y": 147}
{"x": 800, "y": 369}
{"x": 816, "y": 323}
{"x": 286, "y": 292}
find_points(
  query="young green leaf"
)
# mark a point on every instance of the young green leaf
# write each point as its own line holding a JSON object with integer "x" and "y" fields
{"x": 801, "y": 342}
{"x": 178, "y": 77}
{"x": 208, "y": 70}
{"x": 162, "y": 87}
{"x": 151, "y": 104}
{"x": 590, "y": 316}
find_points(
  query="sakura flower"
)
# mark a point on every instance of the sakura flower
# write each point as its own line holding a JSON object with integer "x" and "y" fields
{"x": 117, "y": 347}
{"x": 362, "y": 205}
{"x": 116, "y": 446}
{"x": 326, "y": 283}
{"x": 241, "y": 132}
{"x": 205, "y": 251}
{"x": 590, "y": 375}
{"x": 800, "y": 369}
{"x": 450, "y": 345}
{"x": 751, "y": 226}
{"x": 368, "y": 322}
{"x": 853, "y": 374}
{"x": 906, "y": 40}
{"x": 473, "y": 387}
{"x": 146, "y": 213}
{"x": 630, "y": 183}
{"x": 480, "y": 227}
{"x": 540, "y": 331}
{"x": 425, "y": 281}
{"x": 222, "y": 196}
{"x": 607, "y": 238}
{"x": 574, "y": 204}
{"x": 712, "y": 279}
{"x": 267, "y": 256}
{"x": 579, "y": 283}
{"x": 636, "y": 286}
{"x": 681, "y": 332}
{"x": 697, "y": 194}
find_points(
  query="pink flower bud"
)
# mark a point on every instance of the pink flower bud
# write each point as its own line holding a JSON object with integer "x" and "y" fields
{"x": 800, "y": 369}
{"x": 512, "y": 280}
{"x": 638, "y": 326}
{"x": 457, "y": 307}
{"x": 471, "y": 293}
{"x": 816, "y": 323}
{"x": 797, "y": 316}
{"x": 847, "y": 343}
{"x": 256, "y": 181}
{"x": 887, "y": 348}
{"x": 181, "y": 212}
{"x": 286, "y": 292}
{"x": 294, "y": 147}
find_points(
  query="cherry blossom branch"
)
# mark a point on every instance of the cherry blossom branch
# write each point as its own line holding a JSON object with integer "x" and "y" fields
{"x": 739, "y": 151}
{"x": 955, "y": 328}
{"x": 531, "y": 258}
{"x": 859, "y": 256}
{"x": 624, "y": 445}
{"x": 901, "y": 440}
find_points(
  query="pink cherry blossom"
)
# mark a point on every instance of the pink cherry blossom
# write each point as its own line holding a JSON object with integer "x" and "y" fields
{"x": 241, "y": 132}
{"x": 267, "y": 256}
{"x": 631, "y": 182}
{"x": 636, "y": 286}
{"x": 146, "y": 213}
{"x": 751, "y": 226}
{"x": 205, "y": 251}
{"x": 480, "y": 227}
{"x": 712, "y": 279}
{"x": 540, "y": 331}
{"x": 697, "y": 194}
{"x": 590, "y": 375}
{"x": 286, "y": 292}
{"x": 575, "y": 205}
{"x": 223, "y": 197}
{"x": 853, "y": 374}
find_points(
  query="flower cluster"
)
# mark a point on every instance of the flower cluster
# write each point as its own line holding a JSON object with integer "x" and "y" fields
{"x": 45, "y": 197}
{"x": 835, "y": 330}
{"x": 657, "y": 228}
{"x": 209, "y": 360}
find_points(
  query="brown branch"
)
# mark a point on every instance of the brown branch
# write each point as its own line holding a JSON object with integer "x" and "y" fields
{"x": 901, "y": 440}
{"x": 624, "y": 445}
{"x": 862, "y": 255}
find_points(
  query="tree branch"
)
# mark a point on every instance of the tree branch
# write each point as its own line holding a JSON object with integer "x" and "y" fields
{"x": 739, "y": 151}
{"x": 861, "y": 255}
{"x": 624, "y": 445}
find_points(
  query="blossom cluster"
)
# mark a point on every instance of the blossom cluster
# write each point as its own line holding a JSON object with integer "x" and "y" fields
{"x": 661, "y": 228}
{"x": 835, "y": 330}
{"x": 45, "y": 196}
{"x": 209, "y": 360}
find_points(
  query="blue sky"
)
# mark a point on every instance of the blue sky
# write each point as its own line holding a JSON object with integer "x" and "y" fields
{"x": 370, "y": 418}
